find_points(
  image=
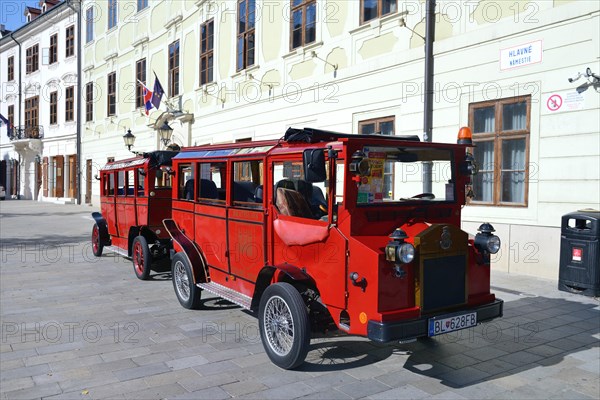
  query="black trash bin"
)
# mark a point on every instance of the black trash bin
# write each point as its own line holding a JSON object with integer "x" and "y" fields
{"x": 579, "y": 270}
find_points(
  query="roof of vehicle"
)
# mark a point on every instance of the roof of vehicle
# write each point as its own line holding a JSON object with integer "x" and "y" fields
{"x": 155, "y": 159}
{"x": 294, "y": 140}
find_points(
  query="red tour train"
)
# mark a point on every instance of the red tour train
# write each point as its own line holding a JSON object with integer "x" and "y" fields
{"x": 135, "y": 198}
{"x": 322, "y": 227}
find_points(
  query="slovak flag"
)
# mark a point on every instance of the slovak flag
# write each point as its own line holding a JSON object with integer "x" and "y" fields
{"x": 147, "y": 97}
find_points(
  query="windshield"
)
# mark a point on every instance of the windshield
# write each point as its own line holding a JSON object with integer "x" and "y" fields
{"x": 395, "y": 174}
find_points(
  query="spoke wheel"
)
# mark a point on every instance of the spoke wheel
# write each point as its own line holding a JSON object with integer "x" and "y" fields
{"x": 141, "y": 258}
{"x": 186, "y": 291}
{"x": 284, "y": 325}
{"x": 97, "y": 246}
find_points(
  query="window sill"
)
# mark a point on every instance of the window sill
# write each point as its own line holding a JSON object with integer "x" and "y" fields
{"x": 246, "y": 71}
{"x": 206, "y": 86}
{"x": 302, "y": 50}
{"x": 90, "y": 43}
{"x": 111, "y": 30}
{"x": 379, "y": 22}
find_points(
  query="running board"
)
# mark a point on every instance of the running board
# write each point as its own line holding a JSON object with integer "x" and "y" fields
{"x": 228, "y": 294}
{"x": 117, "y": 250}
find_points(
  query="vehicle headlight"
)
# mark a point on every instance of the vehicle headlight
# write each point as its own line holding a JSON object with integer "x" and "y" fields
{"x": 493, "y": 244}
{"x": 406, "y": 253}
{"x": 485, "y": 241}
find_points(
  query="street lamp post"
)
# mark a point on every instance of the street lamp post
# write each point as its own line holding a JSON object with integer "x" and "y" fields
{"x": 129, "y": 139}
{"x": 165, "y": 132}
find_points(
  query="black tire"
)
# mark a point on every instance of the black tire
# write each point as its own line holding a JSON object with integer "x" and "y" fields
{"x": 187, "y": 292}
{"x": 141, "y": 258}
{"x": 97, "y": 245}
{"x": 281, "y": 306}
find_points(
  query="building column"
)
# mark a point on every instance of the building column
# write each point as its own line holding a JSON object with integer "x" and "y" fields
{"x": 66, "y": 176}
{"x": 51, "y": 168}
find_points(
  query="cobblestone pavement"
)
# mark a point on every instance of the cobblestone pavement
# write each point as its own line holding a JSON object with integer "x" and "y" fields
{"x": 76, "y": 327}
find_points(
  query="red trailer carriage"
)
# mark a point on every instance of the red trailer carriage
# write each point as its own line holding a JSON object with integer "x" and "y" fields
{"x": 135, "y": 197}
{"x": 323, "y": 227}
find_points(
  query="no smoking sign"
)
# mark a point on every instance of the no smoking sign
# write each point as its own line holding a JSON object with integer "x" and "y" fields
{"x": 554, "y": 102}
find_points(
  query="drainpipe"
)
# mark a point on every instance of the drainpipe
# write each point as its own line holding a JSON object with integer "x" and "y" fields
{"x": 17, "y": 188}
{"x": 77, "y": 11}
{"x": 428, "y": 111}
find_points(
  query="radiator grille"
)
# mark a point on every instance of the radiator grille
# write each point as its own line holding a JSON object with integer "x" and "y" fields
{"x": 443, "y": 282}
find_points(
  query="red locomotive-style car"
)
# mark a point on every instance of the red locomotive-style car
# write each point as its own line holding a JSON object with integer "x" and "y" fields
{"x": 323, "y": 227}
{"x": 135, "y": 198}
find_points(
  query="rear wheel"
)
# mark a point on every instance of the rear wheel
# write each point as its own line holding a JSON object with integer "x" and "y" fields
{"x": 284, "y": 325}
{"x": 187, "y": 292}
{"x": 141, "y": 258}
{"x": 97, "y": 245}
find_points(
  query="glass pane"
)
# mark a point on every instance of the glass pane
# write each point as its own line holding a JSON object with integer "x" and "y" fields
{"x": 387, "y": 185}
{"x": 514, "y": 116}
{"x": 388, "y": 6}
{"x": 513, "y": 154}
{"x": 311, "y": 14}
{"x": 367, "y": 129}
{"x": 483, "y": 182}
{"x": 251, "y": 9}
{"x": 513, "y": 187}
{"x": 484, "y": 119}
{"x": 369, "y": 10}
{"x": 242, "y": 17}
{"x": 240, "y": 52}
{"x": 250, "y": 49}
{"x": 483, "y": 187}
{"x": 296, "y": 2}
{"x": 210, "y": 69}
{"x": 386, "y": 128}
{"x": 296, "y": 38}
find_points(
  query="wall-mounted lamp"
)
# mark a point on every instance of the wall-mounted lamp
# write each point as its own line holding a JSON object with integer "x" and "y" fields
{"x": 251, "y": 77}
{"x": 403, "y": 25}
{"x": 165, "y": 132}
{"x": 129, "y": 139}
{"x": 335, "y": 66}
{"x": 38, "y": 159}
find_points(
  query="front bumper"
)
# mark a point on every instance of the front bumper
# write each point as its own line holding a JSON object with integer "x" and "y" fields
{"x": 388, "y": 331}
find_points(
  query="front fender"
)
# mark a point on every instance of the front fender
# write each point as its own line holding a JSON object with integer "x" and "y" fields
{"x": 265, "y": 276}
{"x": 192, "y": 252}
{"x": 102, "y": 228}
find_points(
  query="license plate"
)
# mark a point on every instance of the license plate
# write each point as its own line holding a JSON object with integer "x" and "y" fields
{"x": 445, "y": 324}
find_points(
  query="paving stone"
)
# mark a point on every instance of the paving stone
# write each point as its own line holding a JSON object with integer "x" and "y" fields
{"x": 327, "y": 394}
{"x": 16, "y": 384}
{"x": 214, "y": 393}
{"x": 237, "y": 389}
{"x": 166, "y": 378}
{"x": 403, "y": 392}
{"x": 187, "y": 362}
{"x": 204, "y": 382}
{"x": 289, "y": 391}
{"x": 139, "y": 372}
{"x": 35, "y": 391}
{"x": 25, "y": 372}
{"x": 364, "y": 388}
{"x": 159, "y": 392}
{"x": 464, "y": 376}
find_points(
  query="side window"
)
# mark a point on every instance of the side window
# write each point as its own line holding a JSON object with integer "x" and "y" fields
{"x": 248, "y": 184}
{"x": 293, "y": 195}
{"x": 121, "y": 183}
{"x": 211, "y": 185}
{"x": 130, "y": 183}
{"x": 186, "y": 182}
{"x": 141, "y": 182}
{"x": 162, "y": 179}
{"x": 111, "y": 184}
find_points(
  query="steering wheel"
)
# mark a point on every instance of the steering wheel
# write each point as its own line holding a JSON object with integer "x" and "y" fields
{"x": 425, "y": 196}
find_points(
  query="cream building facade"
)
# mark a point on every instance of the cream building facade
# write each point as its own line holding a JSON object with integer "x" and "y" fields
{"x": 39, "y": 75}
{"x": 239, "y": 70}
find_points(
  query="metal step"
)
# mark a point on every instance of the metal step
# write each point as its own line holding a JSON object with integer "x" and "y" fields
{"x": 228, "y": 294}
{"x": 118, "y": 250}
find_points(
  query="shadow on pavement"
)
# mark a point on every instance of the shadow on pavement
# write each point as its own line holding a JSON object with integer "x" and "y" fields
{"x": 535, "y": 332}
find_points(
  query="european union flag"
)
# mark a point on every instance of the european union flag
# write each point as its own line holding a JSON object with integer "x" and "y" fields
{"x": 158, "y": 92}
{"x": 8, "y": 125}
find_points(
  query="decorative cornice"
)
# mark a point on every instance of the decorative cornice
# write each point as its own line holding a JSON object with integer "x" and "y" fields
{"x": 140, "y": 41}
{"x": 110, "y": 56}
{"x": 173, "y": 21}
